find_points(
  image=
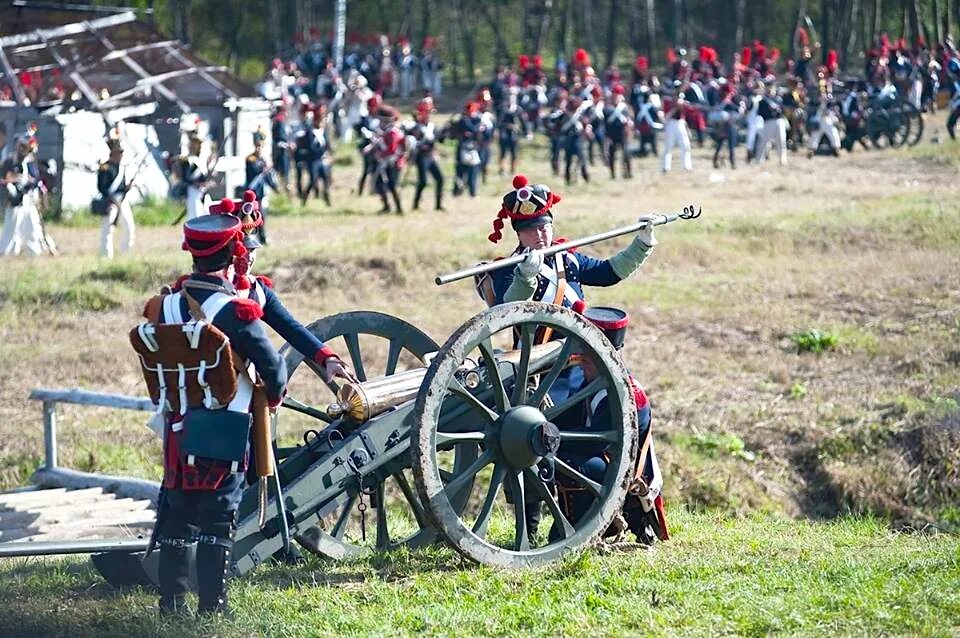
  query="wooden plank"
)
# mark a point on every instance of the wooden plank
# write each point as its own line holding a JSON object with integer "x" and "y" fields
{"x": 133, "y": 531}
{"x": 14, "y": 496}
{"x": 67, "y": 29}
{"x": 69, "y": 512}
{"x": 80, "y": 528}
{"x": 40, "y": 499}
{"x": 123, "y": 486}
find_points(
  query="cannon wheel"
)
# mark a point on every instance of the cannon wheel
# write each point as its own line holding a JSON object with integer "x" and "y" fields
{"x": 518, "y": 440}
{"x": 915, "y": 120}
{"x": 401, "y": 337}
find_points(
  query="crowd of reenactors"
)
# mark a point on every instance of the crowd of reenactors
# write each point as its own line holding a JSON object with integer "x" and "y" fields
{"x": 609, "y": 121}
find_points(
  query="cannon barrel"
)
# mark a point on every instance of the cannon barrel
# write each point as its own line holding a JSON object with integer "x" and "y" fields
{"x": 689, "y": 212}
{"x": 360, "y": 402}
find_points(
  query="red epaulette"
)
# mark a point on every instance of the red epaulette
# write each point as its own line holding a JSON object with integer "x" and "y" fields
{"x": 175, "y": 286}
{"x": 563, "y": 240}
{"x": 247, "y": 309}
{"x": 265, "y": 281}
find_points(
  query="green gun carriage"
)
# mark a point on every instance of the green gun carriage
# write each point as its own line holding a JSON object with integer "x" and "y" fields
{"x": 450, "y": 443}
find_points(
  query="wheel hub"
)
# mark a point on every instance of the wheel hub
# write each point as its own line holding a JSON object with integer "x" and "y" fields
{"x": 526, "y": 436}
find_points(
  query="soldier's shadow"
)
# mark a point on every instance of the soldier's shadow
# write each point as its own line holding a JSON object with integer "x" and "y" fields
{"x": 391, "y": 566}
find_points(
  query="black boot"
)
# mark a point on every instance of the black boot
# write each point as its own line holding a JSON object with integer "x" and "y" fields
{"x": 174, "y": 577}
{"x": 213, "y": 562}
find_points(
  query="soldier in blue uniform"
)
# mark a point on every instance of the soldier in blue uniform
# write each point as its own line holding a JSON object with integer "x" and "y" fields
{"x": 312, "y": 147}
{"x": 643, "y": 510}
{"x": 367, "y": 128}
{"x": 553, "y": 124}
{"x": 424, "y": 133}
{"x": 465, "y": 128}
{"x": 572, "y": 132}
{"x": 201, "y": 495}
{"x": 617, "y": 125}
{"x": 260, "y": 175}
{"x": 195, "y": 175}
{"x": 112, "y": 186}
{"x": 280, "y": 136}
{"x": 556, "y": 278}
{"x": 510, "y": 126}
{"x": 259, "y": 289}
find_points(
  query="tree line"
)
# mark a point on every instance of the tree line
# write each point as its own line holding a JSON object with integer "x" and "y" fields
{"x": 475, "y": 35}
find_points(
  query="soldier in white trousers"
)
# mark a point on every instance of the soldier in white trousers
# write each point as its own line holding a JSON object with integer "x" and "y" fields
{"x": 20, "y": 183}
{"x": 675, "y": 133}
{"x": 826, "y": 122}
{"x": 754, "y": 120}
{"x": 774, "y": 127}
{"x": 113, "y": 186}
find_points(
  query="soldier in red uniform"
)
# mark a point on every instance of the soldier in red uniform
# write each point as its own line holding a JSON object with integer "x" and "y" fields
{"x": 389, "y": 150}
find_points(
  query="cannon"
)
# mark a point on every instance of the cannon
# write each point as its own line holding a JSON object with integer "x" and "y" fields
{"x": 456, "y": 443}
{"x": 451, "y": 443}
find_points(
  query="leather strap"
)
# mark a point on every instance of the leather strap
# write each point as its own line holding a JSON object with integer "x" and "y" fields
{"x": 558, "y": 297}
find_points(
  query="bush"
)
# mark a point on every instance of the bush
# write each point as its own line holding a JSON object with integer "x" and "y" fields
{"x": 814, "y": 341}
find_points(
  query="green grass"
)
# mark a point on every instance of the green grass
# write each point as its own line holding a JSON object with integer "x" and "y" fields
{"x": 718, "y": 576}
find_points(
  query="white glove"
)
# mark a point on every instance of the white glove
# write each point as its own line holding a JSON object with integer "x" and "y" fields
{"x": 530, "y": 266}
{"x": 645, "y": 235}
{"x": 335, "y": 368}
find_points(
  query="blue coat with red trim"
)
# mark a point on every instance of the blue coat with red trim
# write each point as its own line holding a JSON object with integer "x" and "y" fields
{"x": 581, "y": 270}
{"x": 276, "y": 315}
{"x": 240, "y": 321}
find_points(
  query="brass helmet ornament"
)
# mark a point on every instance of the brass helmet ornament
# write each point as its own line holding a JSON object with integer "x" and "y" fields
{"x": 525, "y": 206}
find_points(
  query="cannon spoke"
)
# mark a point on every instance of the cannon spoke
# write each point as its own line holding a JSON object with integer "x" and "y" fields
{"x": 460, "y": 481}
{"x": 353, "y": 347}
{"x": 544, "y": 493}
{"x": 483, "y": 518}
{"x": 393, "y": 356}
{"x": 303, "y": 408}
{"x": 412, "y": 499}
{"x": 493, "y": 375}
{"x": 587, "y": 391}
{"x": 592, "y": 486}
{"x": 523, "y": 370}
{"x": 551, "y": 377}
{"x": 383, "y": 534}
{"x": 521, "y": 540}
{"x": 341, "y": 525}
{"x": 603, "y": 436}
{"x": 488, "y": 415}
{"x": 446, "y": 440}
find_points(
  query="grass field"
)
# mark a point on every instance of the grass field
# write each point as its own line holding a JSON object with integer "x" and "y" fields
{"x": 720, "y": 575}
{"x": 800, "y": 344}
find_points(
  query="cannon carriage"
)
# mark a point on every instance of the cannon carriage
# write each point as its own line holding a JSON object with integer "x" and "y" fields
{"x": 454, "y": 443}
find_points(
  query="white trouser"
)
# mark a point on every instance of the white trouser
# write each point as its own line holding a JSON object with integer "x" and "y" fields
{"x": 916, "y": 93}
{"x": 774, "y": 132}
{"x": 21, "y": 227}
{"x": 195, "y": 202}
{"x": 120, "y": 215}
{"x": 828, "y": 129}
{"x": 754, "y": 127}
{"x": 675, "y": 134}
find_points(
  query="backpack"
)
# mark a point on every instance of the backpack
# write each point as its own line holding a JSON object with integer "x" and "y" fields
{"x": 185, "y": 365}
